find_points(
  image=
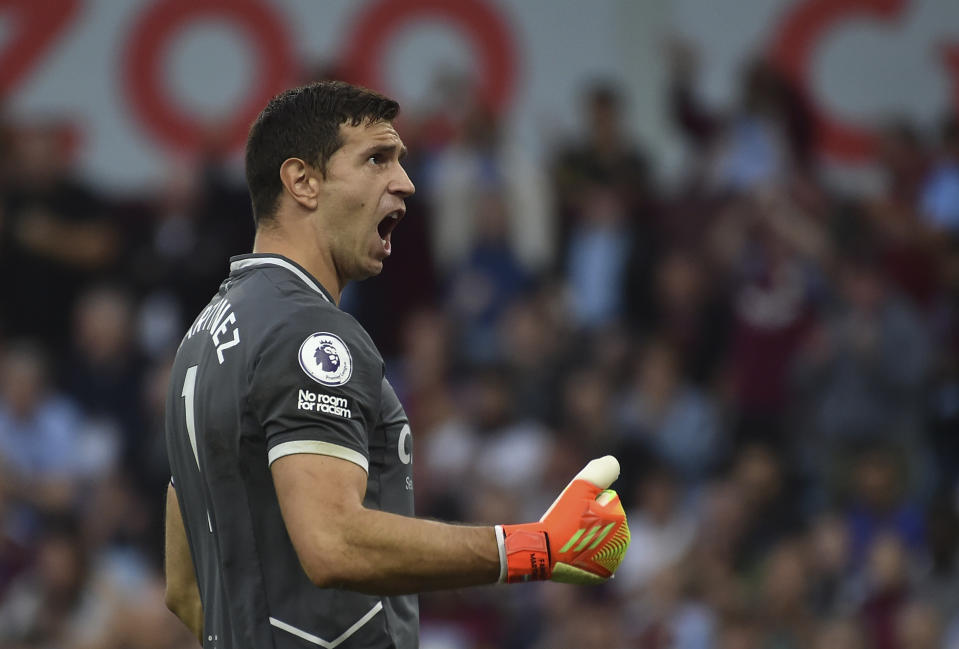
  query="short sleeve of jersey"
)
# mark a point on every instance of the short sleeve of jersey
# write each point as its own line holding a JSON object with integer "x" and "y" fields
{"x": 315, "y": 386}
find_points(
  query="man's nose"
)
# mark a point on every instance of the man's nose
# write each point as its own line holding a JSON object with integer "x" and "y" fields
{"x": 402, "y": 185}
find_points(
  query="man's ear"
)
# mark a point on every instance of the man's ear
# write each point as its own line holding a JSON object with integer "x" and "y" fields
{"x": 300, "y": 181}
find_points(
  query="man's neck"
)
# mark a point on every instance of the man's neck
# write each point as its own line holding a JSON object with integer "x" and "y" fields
{"x": 277, "y": 241}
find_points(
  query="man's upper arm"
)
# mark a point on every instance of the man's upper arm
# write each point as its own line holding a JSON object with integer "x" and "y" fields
{"x": 315, "y": 488}
{"x": 316, "y": 386}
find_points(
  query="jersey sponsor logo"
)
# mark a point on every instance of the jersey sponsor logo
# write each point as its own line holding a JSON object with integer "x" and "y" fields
{"x": 326, "y": 359}
{"x": 404, "y": 448}
{"x": 318, "y": 402}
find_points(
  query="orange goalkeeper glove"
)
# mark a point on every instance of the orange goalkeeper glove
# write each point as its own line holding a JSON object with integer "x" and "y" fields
{"x": 581, "y": 539}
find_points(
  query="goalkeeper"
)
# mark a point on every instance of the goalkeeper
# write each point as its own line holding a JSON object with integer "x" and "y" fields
{"x": 290, "y": 509}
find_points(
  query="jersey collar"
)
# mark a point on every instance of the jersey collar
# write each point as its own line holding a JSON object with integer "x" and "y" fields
{"x": 241, "y": 262}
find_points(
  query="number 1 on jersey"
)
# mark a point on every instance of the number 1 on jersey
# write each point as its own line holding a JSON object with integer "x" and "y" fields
{"x": 189, "y": 386}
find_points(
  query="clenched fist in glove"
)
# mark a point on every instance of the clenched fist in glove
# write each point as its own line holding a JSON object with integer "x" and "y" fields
{"x": 581, "y": 539}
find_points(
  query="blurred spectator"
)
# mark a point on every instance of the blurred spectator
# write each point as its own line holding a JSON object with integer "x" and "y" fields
{"x": 423, "y": 380}
{"x": 839, "y": 633}
{"x": 51, "y": 605}
{"x": 512, "y": 455}
{"x": 880, "y": 504}
{"x": 772, "y": 512}
{"x": 739, "y": 632}
{"x": 196, "y": 222}
{"x": 830, "y": 566}
{"x": 456, "y": 620}
{"x": 603, "y": 188}
{"x": 688, "y": 310}
{"x": 42, "y": 451}
{"x": 533, "y": 335}
{"x": 587, "y": 414}
{"x": 591, "y": 622}
{"x": 481, "y": 162}
{"x": 766, "y": 138}
{"x": 904, "y": 164}
{"x": 662, "y": 530}
{"x": 783, "y": 596}
{"x": 938, "y": 582}
{"x": 941, "y": 412}
{"x": 55, "y": 235}
{"x": 15, "y": 543}
{"x": 438, "y": 120}
{"x": 154, "y": 466}
{"x": 724, "y": 514}
{"x": 939, "y": 196}
{"x": 116, "y": 523}
{"x": 903, "y": 241}
{"x": 484, "y": 285}
{"x": 73, "y": 598}
{"x": 887, "y": 584}
{"x": 664, "y": 614}
{"x": 677, "y": 420}
{"x": 596, "y": 258}
{"x": 918, "y": 627}
{"x": 603, "y": 162}
{"x": 445, "y": 443}
{"x": 104, "y": 369}
{"x": 863, "y": 370}
{"x": 771, "y": 311}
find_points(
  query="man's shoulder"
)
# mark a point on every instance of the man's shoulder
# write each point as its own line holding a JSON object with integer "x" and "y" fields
{"x": 273, "y": 301}
{"x": 307, "y": 315}
{"x": 274, "y": 294}
{"x": 282, "y": 311}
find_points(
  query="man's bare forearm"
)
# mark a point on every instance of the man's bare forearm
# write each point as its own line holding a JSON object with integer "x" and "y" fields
{"x": 387, "y": 554}
{"x": 342, "y": 544}
{"x": 189, "y": 610}
{"x": 182, "y": 592}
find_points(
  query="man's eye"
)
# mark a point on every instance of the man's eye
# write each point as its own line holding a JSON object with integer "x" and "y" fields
{"x": 375, "y": 159}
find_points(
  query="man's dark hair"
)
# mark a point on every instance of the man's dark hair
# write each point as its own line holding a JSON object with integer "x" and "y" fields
{"x": 305, "y": 123}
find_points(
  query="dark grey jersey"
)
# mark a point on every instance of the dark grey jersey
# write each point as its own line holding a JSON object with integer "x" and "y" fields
{"x": 272, "y": 367}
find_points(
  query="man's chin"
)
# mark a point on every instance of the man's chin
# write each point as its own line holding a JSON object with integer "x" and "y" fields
{"x": 374, "y": 268}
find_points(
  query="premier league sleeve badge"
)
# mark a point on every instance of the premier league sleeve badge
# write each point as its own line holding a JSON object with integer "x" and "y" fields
{"x": 326, "y": 359}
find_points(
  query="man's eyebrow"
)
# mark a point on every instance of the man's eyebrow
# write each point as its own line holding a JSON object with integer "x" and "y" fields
{"x": 386, "y": 149}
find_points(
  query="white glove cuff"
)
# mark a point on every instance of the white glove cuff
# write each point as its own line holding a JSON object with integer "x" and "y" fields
{"x": 501, "y": 545}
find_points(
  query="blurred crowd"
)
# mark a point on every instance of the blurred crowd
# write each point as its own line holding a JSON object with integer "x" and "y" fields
{"x": 775, "y": 363}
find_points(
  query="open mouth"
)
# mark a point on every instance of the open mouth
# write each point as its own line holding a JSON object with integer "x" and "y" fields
{"x": 388, "y": 223}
